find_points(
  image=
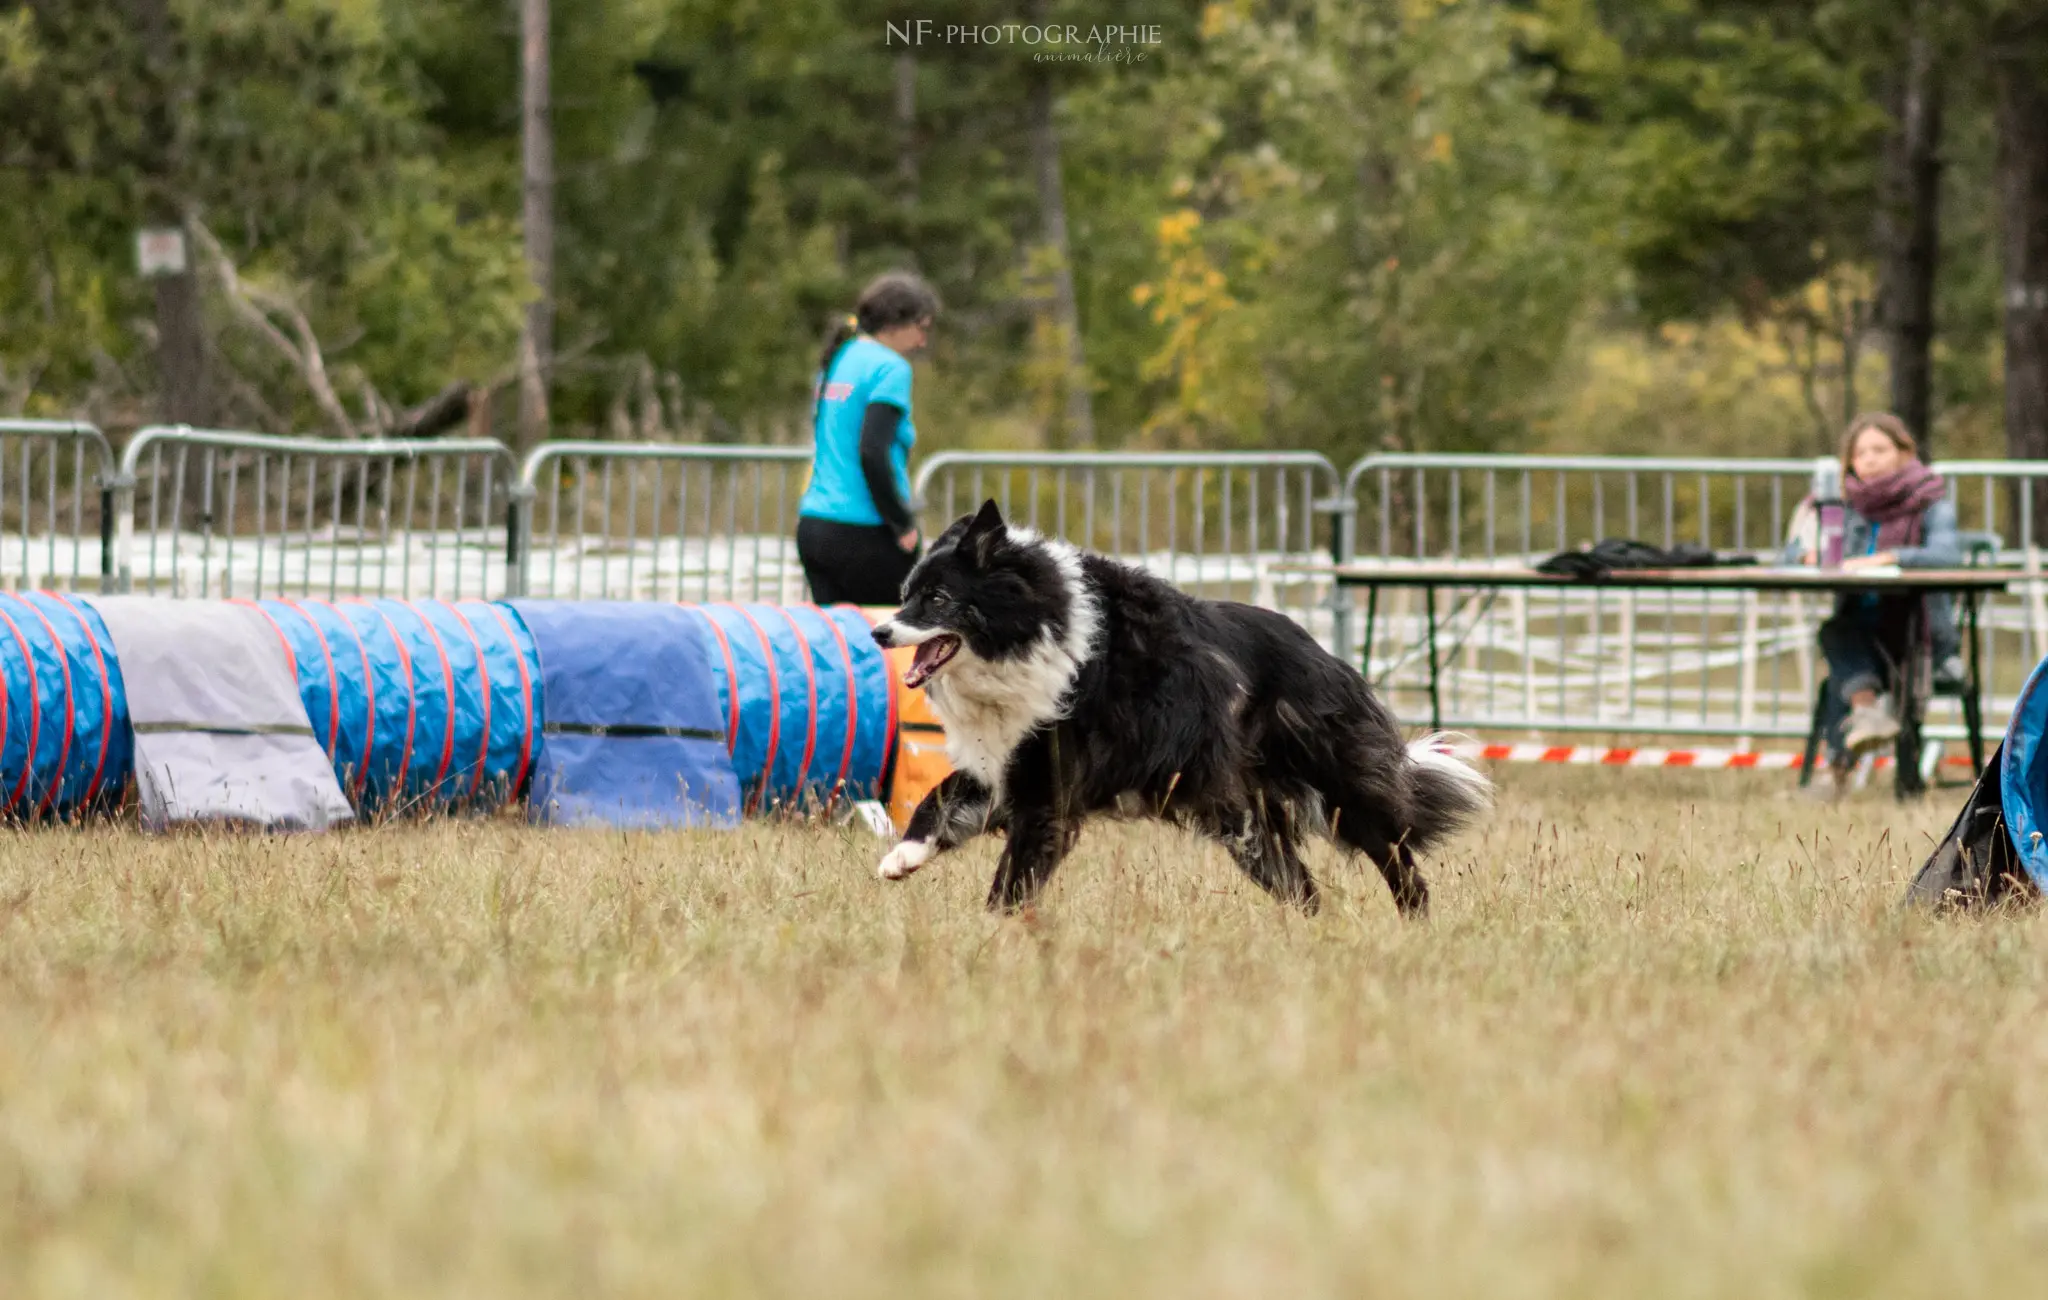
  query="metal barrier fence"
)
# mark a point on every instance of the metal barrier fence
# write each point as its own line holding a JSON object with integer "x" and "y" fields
{"x": 607, "y": 520}
{"x": 1220, "y": 524}
{"x": 210, "y": 513}
{"x": 1719, "y": 663}
{"x": 201, "y": 512}
{"x": 56, "y": 510}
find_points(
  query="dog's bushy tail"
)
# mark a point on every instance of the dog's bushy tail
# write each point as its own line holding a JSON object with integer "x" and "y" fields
{"x": 1447, "y": 794}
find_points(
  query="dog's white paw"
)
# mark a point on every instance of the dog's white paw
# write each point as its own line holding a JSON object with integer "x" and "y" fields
{"x": 905, "y": 858}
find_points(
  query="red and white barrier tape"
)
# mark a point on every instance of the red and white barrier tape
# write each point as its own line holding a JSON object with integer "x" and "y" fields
{"x": 1598, "y": 756}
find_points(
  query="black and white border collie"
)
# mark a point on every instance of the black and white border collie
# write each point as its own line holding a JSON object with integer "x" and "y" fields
{"x": 1070, "y": 685}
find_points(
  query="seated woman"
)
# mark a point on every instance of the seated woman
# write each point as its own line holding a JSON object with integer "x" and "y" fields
{"x": 1898, "y": 513}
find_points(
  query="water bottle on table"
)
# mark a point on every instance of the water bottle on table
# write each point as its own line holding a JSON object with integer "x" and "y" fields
{"x": 1830, "y": 513}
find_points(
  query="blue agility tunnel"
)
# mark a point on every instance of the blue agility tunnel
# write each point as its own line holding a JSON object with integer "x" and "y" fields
{"x": 636, "y": 733}
{"x": 67, "y": 743}
{"x": 805, "y": 695}
{"x": 1997, "y": 849}
{"x": 668, "y": 714}
{"x": 419, "y": 703}
{"x": 2023, "y": 776}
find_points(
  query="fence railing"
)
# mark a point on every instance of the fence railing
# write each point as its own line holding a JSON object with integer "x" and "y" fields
{"x": 1220, "y": 524}
{"x": 203, "y": 512}
{"x": 212, "y": 513}
{"x": 658, "y": 521}
{"x": 56, "y": 509}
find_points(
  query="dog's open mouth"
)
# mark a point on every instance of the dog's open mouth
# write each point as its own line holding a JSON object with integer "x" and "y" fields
{"x": 931, "y": 656}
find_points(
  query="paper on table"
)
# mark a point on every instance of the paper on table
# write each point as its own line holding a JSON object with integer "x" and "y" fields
{"x": 1874, "y": 570}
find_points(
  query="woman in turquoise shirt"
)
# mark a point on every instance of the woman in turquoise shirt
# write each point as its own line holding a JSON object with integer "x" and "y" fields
{"x": 856, "y": 533}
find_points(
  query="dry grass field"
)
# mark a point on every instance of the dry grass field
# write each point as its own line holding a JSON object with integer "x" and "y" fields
{"x": 1666, "y": 1035}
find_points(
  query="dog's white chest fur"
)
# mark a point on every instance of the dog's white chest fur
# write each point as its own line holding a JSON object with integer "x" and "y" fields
{"x": 989, "y": 707}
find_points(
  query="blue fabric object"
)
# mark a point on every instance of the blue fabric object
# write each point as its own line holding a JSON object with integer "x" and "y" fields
{"x": 864, "y": 371}
{"x": 857, "y": 754}
{"x": 425, "y": 703}
{"x": 748, "y": 697}
{"x": 65, "y": 743}
{"x": 330, "y": 664}
{"x": 418, "y": 703}
{"x": 636, "y": 731}
{"x": 2023, "y": 777}
{"x": 805, "y": 696}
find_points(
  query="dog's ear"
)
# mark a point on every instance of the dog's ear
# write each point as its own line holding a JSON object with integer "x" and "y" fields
{"x": 988, "y": 518}
{"x": 984, "y": 533}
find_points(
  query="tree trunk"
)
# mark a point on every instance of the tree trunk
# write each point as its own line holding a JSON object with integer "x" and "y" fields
{"x": 1908, "y": 234}
{"x": 536, "y": 349}
{"x": 182, "y": 392}
{"x": 906, "y": 127}
{"x": 181, "y": 348}
{"x": 1079, "y": 422}
{"x": 2020, "y": 76}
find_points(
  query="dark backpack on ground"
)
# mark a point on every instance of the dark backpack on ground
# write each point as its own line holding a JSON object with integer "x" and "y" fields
{"x": 1975, "y": 866}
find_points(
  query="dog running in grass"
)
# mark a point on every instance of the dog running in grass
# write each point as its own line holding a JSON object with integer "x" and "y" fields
{"x": 1072, "y": 685}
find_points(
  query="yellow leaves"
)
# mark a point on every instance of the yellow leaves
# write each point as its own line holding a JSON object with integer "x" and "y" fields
{"x": 1220, "y": 18}
{"x": 1207, "y": 351}
{"x": 1774, "y": 387}
{"x": 1439, "y": 148}
{"x": 1414, "y": 13}
{"x": 1193, "y": 283}
{"x": 18, "y": 52}
{"x": 1178, "y": 227}
{"x": 1828, "y": 295}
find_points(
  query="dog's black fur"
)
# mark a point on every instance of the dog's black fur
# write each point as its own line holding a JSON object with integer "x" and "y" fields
{"x": 1071, "y": 685}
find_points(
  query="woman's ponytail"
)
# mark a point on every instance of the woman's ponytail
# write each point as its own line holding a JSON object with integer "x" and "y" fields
{"x": 843, "y": 330}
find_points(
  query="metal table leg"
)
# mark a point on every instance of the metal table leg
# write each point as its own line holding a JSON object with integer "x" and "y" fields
{"x": 1436, "y": 712}
{"x": 1907, "y": 782}
{"x": 1815, "y": 733}
{"x": 1973, "y": 688}
{"x": 1372, "y": 614}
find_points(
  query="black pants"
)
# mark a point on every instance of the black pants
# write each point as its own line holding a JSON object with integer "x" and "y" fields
{"x": 1864, "y": 647}
{"x": 853, "y": 564}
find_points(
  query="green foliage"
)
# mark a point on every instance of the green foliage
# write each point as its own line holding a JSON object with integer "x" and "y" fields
{"x": 1747, "y": 151}
{"x": 294, "y": 130}
{"x": 415, "y": 251}
{"x": 1341, "y": 224}
{"x": 1393, "y": 238}
{"x": 1969, "y": 391}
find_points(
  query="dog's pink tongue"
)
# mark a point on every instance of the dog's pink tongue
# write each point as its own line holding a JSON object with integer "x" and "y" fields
{"x": 925, "y": 662}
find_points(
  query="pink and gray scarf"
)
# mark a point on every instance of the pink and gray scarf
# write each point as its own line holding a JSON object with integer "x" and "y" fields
{"x": 1896, "y": 502}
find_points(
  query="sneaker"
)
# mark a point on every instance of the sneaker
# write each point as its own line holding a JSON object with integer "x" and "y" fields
{"x": 1869, "y": 727}
{"x": 1950, "y": 675}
